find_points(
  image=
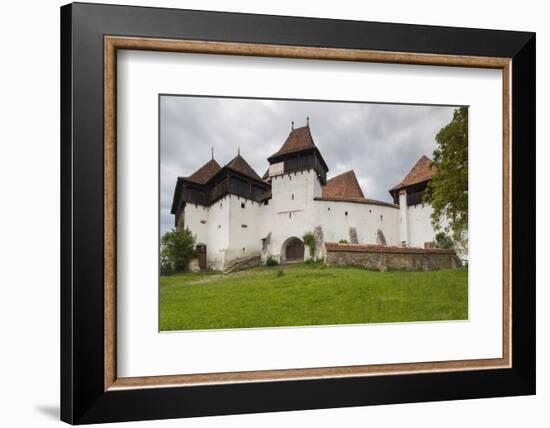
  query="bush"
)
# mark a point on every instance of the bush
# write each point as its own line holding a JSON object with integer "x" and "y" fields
{"x": 444, "y": 241}
{"x": 166, "y": 266}
{"x": 343, "y": 241}
{"x": 271, "y": 262}
{"x": 309, "y": 240}
{"x": 177, "y": 248}
{"x": 280, "y": 273}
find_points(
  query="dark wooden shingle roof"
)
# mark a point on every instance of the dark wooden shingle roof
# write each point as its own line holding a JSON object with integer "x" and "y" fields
{"x": 240, "y": 165}
{"x": 205, "y": 172}
{"x": 299, "y": 139}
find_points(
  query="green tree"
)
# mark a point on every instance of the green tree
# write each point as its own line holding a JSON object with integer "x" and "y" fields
{"x": 442, "y": 240}
{"x": 177, "y": 248}
{"x": 448, "y": 189}
{"x": 309, "y": 240}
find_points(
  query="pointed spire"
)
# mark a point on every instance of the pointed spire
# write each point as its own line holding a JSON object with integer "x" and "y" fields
{"x": 212, "y": 152}
{"x": 307, "y": 120}
{"x": 292, "y": 126}
{"x": 238, "y": 151}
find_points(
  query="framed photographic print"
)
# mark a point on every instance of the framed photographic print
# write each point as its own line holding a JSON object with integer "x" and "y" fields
{"x": 265, "y": 213}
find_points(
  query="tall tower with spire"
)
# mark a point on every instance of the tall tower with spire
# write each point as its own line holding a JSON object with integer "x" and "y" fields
{"x": 297, "y": 171}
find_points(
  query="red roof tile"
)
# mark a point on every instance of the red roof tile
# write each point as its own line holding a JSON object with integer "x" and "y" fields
{"x": 368, "y": 248}
{"x": 359, "y": 201}
{"x": 343, "y": 186}
{"x": 205, "y": 172}
{"x": 299, "y": 139}
{"x": 422, "y": 171}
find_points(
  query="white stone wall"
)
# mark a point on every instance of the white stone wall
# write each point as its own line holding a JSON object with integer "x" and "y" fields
{"x": 285, "y": 217}
{"x": 244, "y": 228}
{"x": 193, "y": 216}
{"x": 292, "y": 212}
{"x": 365, "y": 218}
{"x": 294, "y": 191}
{"x": 218, "y": 233}
{"x": 420, "y": 225}
{"x": 403, "y": 218}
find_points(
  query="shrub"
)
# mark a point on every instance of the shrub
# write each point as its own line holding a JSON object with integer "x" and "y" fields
{"x": 343, "y": 241}
{"x": 309, "y": 240}
{"x": 177, "y": 248}
{"x": 280, "y": 273}
{"x": 271, "y": 262}
{"x": 166, "y": 266}
{"x": 444, "y": 241}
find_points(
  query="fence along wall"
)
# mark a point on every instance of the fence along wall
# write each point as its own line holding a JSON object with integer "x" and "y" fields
{"x": 384, "y": 258}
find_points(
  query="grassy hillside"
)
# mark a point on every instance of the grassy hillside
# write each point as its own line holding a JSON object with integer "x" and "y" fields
{"x": 309, "y": 294}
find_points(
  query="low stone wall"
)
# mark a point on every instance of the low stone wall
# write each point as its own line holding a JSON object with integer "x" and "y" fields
{"x": 242, "y": 263}
{"x": 382, "y": 258}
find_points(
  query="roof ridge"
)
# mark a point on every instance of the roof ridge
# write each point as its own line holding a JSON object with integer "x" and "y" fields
{"x": 244, "y": 168}
{"x": 298, "y": 139}
{"x": 205, "y": 172}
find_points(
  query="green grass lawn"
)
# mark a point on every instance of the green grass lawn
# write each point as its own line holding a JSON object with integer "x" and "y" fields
{"x": 309, "y": 294}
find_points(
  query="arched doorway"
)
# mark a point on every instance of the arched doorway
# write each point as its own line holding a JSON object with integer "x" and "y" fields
{"x": 293, "y": 250}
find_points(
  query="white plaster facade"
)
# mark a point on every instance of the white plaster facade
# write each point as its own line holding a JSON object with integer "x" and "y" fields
{"x": 234, "y": 226}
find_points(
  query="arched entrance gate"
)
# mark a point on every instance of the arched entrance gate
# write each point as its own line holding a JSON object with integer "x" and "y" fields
{"x": 292, "y": 250}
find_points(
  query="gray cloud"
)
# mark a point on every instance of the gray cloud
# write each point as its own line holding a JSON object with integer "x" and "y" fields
{"x": 381, "y": 142}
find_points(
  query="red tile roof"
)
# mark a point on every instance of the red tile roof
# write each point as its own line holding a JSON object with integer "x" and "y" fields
{"x": 367, "y": 248}
{"x": 299, "y": 139}
{"x": 343, "y": 186}
{"x": 240, "y": 165}
{"x": 359, "y": 201}
{"x": 422, "y": 171}
{"x": 205, "y": 172}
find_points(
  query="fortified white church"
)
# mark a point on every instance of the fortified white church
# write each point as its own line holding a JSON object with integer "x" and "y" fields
{"x": 235, "y": 213}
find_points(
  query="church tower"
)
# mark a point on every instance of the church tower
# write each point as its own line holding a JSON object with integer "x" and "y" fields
{"x": 297, "y": 172}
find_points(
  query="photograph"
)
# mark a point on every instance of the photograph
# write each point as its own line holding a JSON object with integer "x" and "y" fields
{"x": 281, "y": 213}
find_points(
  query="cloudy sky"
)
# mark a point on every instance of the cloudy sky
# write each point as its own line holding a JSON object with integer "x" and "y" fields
{"x": 381, "y": 142}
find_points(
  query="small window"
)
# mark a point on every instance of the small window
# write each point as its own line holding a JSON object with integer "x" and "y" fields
{"x": 370, "y": 211}
{"x": 346, "y": 213}
{"x": 243, "y": 205}
{"x": 203, "y": 221}
{"x": 244, "y": 226}
{"x": 293, "y": 196}
{"x": 289, "y": 215}
{"x": 243, "y": 248}
{"x": 329, "y": 208}
{"x": 266, "y": 202}
{"x": 219, "y": 226}
{"x": 381, "y": 217}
